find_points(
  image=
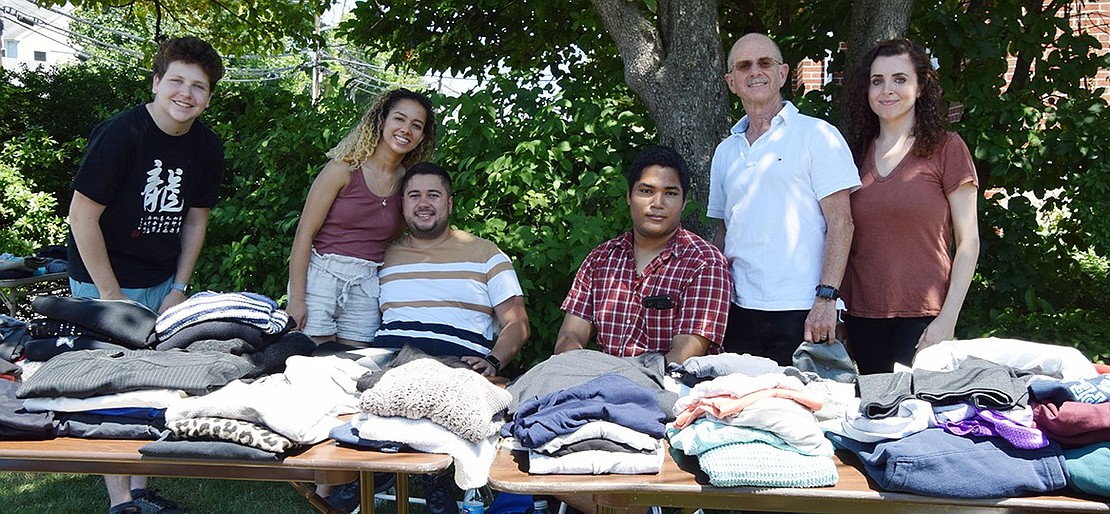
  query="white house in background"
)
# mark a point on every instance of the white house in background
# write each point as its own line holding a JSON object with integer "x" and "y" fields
{"x": 34, "y": 36}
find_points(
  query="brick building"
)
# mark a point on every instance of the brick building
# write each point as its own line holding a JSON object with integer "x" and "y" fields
{"x": 1088, "y": 16}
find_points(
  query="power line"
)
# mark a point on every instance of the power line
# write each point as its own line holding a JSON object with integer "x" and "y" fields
{"x": 101, "y": 27}
{"x": 362, "y": 72}
{"x": 31, "y": 22}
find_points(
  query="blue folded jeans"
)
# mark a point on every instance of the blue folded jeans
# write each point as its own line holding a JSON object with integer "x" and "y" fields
{"x": 935, "y": 463}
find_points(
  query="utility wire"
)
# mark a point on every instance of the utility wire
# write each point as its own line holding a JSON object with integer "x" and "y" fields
{"x": 362, "y": 72}
{"x": 98, "y": 26}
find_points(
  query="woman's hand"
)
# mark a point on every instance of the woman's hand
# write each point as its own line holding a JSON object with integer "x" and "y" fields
{"x": 298, "y": 313}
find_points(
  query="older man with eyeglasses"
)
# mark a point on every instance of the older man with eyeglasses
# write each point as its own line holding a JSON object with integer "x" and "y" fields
{"x": 779, "y": 185}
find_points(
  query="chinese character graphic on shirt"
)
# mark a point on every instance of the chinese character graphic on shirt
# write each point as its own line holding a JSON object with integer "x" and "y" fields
{"x": 162, "y": 195}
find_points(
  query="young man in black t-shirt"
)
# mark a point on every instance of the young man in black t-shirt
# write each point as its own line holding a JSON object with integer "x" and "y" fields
{"x": 141, "y": 201}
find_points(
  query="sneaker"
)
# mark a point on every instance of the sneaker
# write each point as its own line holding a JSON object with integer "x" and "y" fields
{"x": 125, "y": 508}
{"x": 151, "y": 502}
{"x": 346, "y": 497}
{"x": 440, "y": 493}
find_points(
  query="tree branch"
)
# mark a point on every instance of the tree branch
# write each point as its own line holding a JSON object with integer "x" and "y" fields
{"x": 637, "y": 39}
{"x": 1023, "y": 66}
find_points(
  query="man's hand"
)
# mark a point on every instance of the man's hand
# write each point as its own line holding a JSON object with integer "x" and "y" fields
{"x": 574, "y": 334}
{"x": 821, "y": 321}
{"x": 480, "y": 365}
{"x": 174, "y": 297}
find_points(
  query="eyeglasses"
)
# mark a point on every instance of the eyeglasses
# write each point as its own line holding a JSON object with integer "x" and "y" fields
{"x": 764, "y": 63}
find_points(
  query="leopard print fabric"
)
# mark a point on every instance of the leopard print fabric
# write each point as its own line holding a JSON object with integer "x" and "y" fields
{"x": 232, "y": 430}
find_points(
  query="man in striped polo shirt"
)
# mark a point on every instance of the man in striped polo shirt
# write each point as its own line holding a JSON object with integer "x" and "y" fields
{"x": 442, "y": 289}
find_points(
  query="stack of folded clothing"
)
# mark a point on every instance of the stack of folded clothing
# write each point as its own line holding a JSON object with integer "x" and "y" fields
{"x": 17, "y": 423}
{"x": 606, "y": 425}
{"x": 948, "y": 432}
{"x": 835, "y": 393}
{"x": 91, "y": 374}
{"x": 576, "y": 367}
{"x": 1076, "y": 414}
{"x": 136, "y": 414}
{"x": 13, "y": 266}
{"x": 87, "y": 323}
{"x": 430, "y": 407}
{"x": 265, "y": 418}
{"x": 221, "y": 316}
{"x": 219, "y": 438}
{"x": 754, "y": 431}
{"x": 237, "y": 324}
{"x": 121, "y": 394}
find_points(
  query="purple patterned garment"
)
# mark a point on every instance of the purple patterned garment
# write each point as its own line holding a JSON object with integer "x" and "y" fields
{"x": 991, "y": 423}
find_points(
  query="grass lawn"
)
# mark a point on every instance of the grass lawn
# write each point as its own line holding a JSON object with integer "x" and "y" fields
{"x": 36, "y": 493}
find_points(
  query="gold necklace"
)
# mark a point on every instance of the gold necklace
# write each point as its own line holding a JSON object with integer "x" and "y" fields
{"x": 385, "y": 199}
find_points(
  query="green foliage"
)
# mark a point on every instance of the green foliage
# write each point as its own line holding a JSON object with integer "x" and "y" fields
{"x": 539, "y": 171}
{"x": 1040, "y": 146}
{"x": 243, "y": 27}
{"x": 42, "y": 144}
{"x": 275, "y": 141}
{"x": 27, "y": 218}
{"x": 476, "y": 36}
{"x": 48, "y": 115}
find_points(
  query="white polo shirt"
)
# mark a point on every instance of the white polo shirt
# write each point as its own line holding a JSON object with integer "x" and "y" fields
{"x": 768, "y": 194}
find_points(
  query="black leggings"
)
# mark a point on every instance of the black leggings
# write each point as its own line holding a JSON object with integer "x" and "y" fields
{"x": 876, "y": 344}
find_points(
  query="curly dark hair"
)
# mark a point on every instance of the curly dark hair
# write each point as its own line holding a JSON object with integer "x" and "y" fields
{"x": 861, "y": 125}
{"x": 191, "y": 50}
{"x": 359, "y": 144}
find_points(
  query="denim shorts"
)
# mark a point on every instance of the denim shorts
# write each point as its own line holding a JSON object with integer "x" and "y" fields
{"x": 341, "y": 297}
{"x": 150, "y": 296}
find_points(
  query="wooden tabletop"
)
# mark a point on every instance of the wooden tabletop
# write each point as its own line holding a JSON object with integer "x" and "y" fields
{"x": 101, "y": 456}
{"x": 687, "y": 486}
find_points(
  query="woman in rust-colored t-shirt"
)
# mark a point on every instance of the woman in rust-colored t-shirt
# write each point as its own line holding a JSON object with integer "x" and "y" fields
{"x": 916, "y": 239}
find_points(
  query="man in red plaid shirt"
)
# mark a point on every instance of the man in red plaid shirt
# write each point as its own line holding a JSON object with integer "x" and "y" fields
{"x": 656, "y": 288}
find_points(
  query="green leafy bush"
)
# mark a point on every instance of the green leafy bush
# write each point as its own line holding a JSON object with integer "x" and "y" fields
{"x": 275, "y": 141}
{"x": 49, "y": 113}
{"x": 27, "y": 217}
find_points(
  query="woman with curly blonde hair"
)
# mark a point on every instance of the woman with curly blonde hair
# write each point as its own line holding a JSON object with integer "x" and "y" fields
{"x": 904, "y": 284}
{"x": 352, "y": 212}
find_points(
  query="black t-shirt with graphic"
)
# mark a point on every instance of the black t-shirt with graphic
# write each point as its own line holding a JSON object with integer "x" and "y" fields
{"x": 147, "y": 180}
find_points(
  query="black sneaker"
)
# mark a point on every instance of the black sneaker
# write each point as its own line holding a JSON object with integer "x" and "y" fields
{"x": 153, "y": 503}
{"x": 440, "y": 493}
{"x": 125, "y": 508}
{"x": 346, "y": 497}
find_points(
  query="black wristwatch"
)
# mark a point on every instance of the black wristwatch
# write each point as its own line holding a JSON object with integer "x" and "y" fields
{"x": 827, "y": 292}
{"x": 494, "y": 361}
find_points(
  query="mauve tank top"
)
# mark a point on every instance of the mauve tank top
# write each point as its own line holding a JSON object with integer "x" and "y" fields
{"x": 358, "y": 224}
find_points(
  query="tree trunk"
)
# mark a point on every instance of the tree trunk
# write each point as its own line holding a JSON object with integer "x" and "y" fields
{"x": 675, "y": 65}
{"x": 874, "y": 21}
